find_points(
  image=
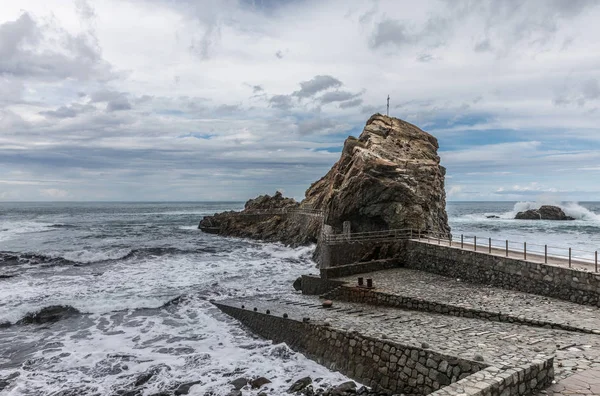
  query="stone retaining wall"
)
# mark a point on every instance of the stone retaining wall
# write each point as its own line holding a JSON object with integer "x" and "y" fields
{"x": 374, "y": 297}
{"x": 314, "y": 285}
{"x": 548, "y": 280}
{"x": 392, "y": 367}
{"x": 358, "y": 268}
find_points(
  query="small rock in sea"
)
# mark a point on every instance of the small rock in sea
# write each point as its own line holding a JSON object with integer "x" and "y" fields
{"x": 362, "y": 390}
{"x": 184, "y": 389}
{"x": 327, "y": 304}
{"x": 478, "y": 358}
{"x": 262, "y": 394}
{"x": 235, "y": 392}
{"x": 239, "y": 383}
{"x": 305, "y": 319}
{"x": 300, "y": 384}
{"x": 258, "y": 382}
{"x": 424, "y": 345}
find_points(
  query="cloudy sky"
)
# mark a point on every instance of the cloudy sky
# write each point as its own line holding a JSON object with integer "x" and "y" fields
{"x": 227, "y": 99}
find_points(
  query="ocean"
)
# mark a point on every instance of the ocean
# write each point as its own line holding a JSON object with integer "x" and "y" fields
{"x": 141, "y": 276}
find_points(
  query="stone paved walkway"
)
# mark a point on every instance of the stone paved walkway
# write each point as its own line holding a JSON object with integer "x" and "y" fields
{"x": 443, "y": 290}
{"x": 499, "y": 343}
{"x": 584, "y": 383}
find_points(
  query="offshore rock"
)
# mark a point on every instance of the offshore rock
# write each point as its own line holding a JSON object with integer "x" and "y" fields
{"x": 546, "y": 212}
{"x": 389, "y": 177}
{"x": 50, "y": 314}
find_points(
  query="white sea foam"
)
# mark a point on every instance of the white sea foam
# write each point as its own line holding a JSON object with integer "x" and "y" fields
{"x": 216, "y": 345}
{"x": 10, "y": 229}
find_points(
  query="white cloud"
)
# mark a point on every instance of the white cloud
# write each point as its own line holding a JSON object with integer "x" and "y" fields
{"x": 182, "y": 98}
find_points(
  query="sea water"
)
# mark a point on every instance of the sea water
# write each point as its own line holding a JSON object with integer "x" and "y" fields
{"x": 142, "y": 275}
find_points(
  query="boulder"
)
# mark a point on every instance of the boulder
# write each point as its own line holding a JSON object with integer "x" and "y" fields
{"x": 298, "y": 283}
{"x": 184, "y": 389}
{"x": 259, "y": 382}
{"x": 239, "y": 383}
{"x": 300, "y": 384}
{"x": 343, "y": 388}
{"x": 545, "y": 212}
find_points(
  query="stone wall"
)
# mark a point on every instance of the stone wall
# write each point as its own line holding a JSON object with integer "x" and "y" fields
{"x": 374, "y": 297}
{"x": 338, "y": 254}
{"x": 391, "y": 367}
{"x": 314, "y": 285}
{"x": 358, "y": 268}
{"x": 558, "y": 282}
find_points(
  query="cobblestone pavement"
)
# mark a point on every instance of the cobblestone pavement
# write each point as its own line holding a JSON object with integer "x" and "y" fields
{"x": 443, "y": 290}
{"x": 497, "y": 342}
{"x": 584, "y": 383}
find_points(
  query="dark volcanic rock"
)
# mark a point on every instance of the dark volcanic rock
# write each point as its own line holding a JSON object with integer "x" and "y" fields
{"x": 546, "y": 212}
{"x": 239, "y": 383}
{"x": 49, "y": 315}
{"x": 343, "y": 388}
{"x": 300, "y": 384}
{"x": 184, "y": 389}
{"x": 258, "y": 382}
{"x": 298, "y": 283}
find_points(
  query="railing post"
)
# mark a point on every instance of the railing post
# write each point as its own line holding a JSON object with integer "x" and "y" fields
{"x": 596, "y": 260}
{"x": 569, "y": 257}
{"x": 475, "y": 242}
{"x": 545, "y": 254}
{"x": 507, "y": 248}
{"x": 524, "y": 250}
{"x": 439, "y": 239}
{"x": 411, "y": 234}
{"x": 490, "y": 246}
{"x": 450, "y": 240}
{"x": 462, "y": 241}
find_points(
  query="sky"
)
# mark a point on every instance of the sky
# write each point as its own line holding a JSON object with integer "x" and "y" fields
{"x": 210, "y": 100}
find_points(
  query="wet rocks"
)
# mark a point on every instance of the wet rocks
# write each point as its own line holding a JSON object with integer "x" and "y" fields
{"x": 300, "y": 385}
{"x": 327, "y": 304}
{"x": 545, "y": 212}
{"x": 259, "y": 382}
{"x": 49, "y": 315}
{"x": 239, "y": 383}
{"x": 298, "y": 284}
{"x": 184, "y": 389}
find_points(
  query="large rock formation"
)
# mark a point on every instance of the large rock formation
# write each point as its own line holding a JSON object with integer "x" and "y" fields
{"x": 388, "y": 178}
{"x": 546, "y": 212}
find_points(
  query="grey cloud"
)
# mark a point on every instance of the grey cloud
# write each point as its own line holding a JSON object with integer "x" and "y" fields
{"x": 314, "y": 125}
{"x": 369, "y": 109}
{"x": 228, "y": 109}
{"x": 279, "y": 54}
{"x": 24, "y": 52}
{"x": 69, "y": 111}
{"x": 351, "y": 103}
{"x": 591, "y": 89}
{"x": 390, "y": 31}
{"x": 257, "y": 89}
{"x": 337, "y": 96}
{"x": 282, "y": 102}
{"x": 483, "y": 46}
{"x": 118, "y": 104}
{"x": 317, "y": 84}
{"x": 425, "y": 58}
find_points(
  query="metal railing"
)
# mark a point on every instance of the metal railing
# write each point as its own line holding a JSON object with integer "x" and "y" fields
{"x": 532, "y": 252}
{"x": 382, "y": 236}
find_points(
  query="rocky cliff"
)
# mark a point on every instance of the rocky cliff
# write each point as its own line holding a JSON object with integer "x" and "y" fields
{"x": 389, "y": 177}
